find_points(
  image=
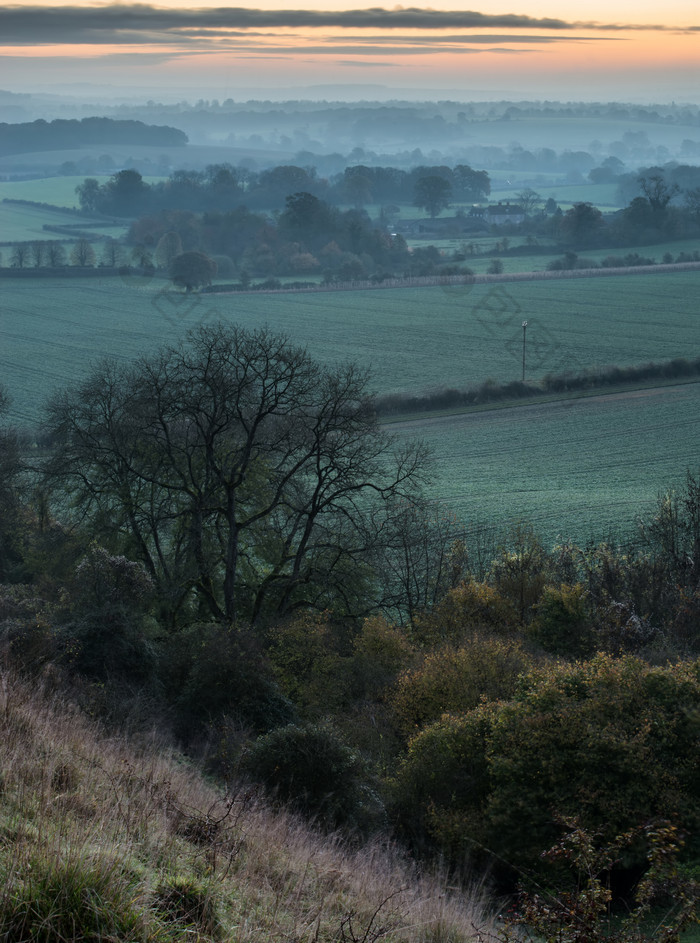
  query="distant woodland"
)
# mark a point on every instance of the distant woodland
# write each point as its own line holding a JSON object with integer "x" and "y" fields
{"x": 224, "y": 212}
{"x": 43, "y": 135}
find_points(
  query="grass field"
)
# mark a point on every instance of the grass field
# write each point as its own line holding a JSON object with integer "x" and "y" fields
{"x": 486, "y": 248}
{"x": 414, "y": 339}
{"x": 59, "y": 191}
{"x": 583, "y": 468}
{"x": 20, "y": 223}
{"x": 588, "y": 464}
{"x": 603, "y": 195}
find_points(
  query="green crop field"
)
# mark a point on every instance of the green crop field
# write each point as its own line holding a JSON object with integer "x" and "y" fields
{"x": 58, "y": 191}
{"x": 579, "y": 467}
{"x": 414, "y": 339}
{"x": 584, "y": 468}
{"x": 603, "y": 195}
{"x": 22, "y": 223}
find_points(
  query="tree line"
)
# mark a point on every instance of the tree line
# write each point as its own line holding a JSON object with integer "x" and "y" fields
{"x": 221, "y": 187}
{"x": 41, "y": 135}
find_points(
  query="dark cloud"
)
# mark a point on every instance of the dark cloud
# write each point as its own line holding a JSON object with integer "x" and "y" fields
{"x": 38, "y": 25}
{"x": 477, "y": 39}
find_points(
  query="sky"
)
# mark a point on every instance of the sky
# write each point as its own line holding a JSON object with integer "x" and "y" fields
{"x": 516, "y": 49}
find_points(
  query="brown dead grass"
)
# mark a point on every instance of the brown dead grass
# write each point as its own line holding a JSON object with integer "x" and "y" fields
{"x": 175, "y": 857}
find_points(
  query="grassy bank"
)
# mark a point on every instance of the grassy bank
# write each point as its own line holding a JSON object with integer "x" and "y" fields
{"x": 104, "y": 839}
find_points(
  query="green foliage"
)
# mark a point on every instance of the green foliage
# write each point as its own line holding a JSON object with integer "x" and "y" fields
{"x": 432, "y": 193}
{"x": 453, "y": 680}
{"x": 310, "y": 662}
{"x": 613, "y": 741}
{"x": 106, "y": 633}
{"x": 310, "y": 767}
{"x": 211, "y": 671}
{"x": 191, "y": 270}
{"x": 379, "y": 653}
{"x": 79, "y": 899}
{"x": 441, "y": 791}
{"x": 563, "y": 622}
{"x": 520, "y": 569}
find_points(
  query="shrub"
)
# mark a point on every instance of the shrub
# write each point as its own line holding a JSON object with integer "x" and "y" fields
{"x": 213, "y": 671}
{"x": 469, "y": 606}
{"x": 563, "y": 622}
{"x": 456, "y": 680}
{"x": 309, "y": 767}
{"x": 309, "y": 661}
{"x": 106, "y": 635}
{"x": 612, "y": 741}
{"x": 380, "y": 652}
{"x": 520, "y": 570}
{"x": 584, "y": 911}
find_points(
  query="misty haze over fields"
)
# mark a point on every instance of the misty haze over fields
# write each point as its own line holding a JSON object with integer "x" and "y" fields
{"x": 330, "y": 133}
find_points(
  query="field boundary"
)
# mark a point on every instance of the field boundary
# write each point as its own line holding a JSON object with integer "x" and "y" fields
{"x": 454, "y": 281}
{"x": 535, "y": 400}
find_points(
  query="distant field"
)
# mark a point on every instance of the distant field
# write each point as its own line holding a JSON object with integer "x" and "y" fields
{"x": 603, "y": 195}
{"x": 414, "y": 339}
{"x": 59, "y": 191}
{"x": 19, "y": 223}
{"x": 486, "y": 248}
{"x": 578, "y": 468}
{"x": 584, "y": 468}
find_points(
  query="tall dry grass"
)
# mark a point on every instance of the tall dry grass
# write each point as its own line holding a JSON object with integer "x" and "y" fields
{"x": 110, "y": 840}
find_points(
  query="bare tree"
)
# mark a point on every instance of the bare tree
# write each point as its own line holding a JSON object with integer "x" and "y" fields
{"x": 55, "y": 254}
{"x": 82, "y": 254}
{"x": 20, "y": 255}
{"x": 530, "y": 200}
{"x": 38, "y": 253}
{"x": 247, "y": 478}
{"x": 423, "y": 556}
{"x": 657, "y": 191}
{"x": 112, "y": 253}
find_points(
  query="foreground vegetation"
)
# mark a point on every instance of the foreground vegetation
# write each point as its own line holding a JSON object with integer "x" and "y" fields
{"x": 106, "y": 838}
{"x": 222, "y": 538}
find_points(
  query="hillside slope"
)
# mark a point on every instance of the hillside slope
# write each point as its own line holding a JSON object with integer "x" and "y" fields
{"x": 103, "y": 839}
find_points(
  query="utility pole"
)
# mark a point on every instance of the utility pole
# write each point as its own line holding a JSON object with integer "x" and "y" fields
{"x": 524, "y": 334}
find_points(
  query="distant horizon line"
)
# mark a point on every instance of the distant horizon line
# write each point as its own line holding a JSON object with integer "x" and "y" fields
{"x": 275, "y": 92}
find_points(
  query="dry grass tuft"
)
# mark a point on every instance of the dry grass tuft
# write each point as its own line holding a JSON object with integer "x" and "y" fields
{"x": 104, "y": 839}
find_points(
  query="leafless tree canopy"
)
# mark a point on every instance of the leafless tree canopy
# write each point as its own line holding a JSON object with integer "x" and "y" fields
{"x": 248, "y": 478}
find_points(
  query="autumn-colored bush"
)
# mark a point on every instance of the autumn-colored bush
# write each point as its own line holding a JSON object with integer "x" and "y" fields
{"x": 469, "y": 606}
{"x": 612, "y": 741}
{"x": 309, "y": 658}
{"x": 453, "y": 680}
{"x": 520, "y": 570}
{"x": 379, "y": 653}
